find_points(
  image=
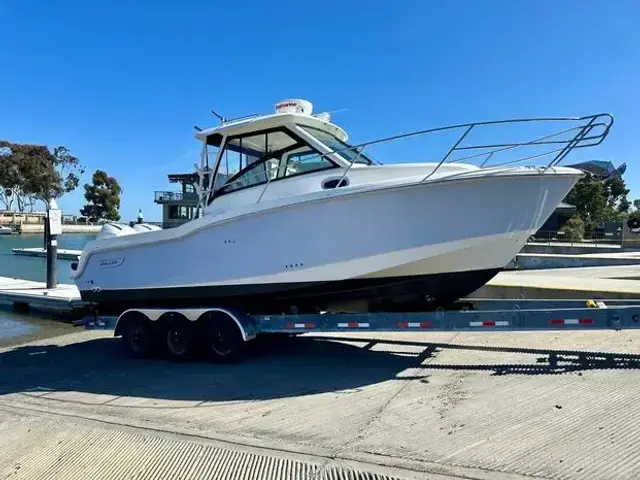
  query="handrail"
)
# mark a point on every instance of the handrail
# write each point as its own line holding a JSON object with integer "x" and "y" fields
{"x": 451, "y": 150}
{"x": 590, "y": 131}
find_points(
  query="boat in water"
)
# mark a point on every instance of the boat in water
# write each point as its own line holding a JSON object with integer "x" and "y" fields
{"x": 4, "y": 230}
{"x": 294, "y": 218}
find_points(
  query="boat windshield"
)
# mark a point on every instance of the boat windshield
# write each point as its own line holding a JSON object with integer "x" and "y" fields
{"x": 343, "y": 149}
{"x": 262, "y": 157}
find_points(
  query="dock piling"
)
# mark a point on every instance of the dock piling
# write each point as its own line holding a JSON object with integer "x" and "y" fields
{"x": 53, "y": 228}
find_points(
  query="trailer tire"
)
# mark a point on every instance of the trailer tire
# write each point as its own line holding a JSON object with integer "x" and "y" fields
{"x": 223, "y": 338}
{"x": 139, "y": 335}
{"x": 179, "y": 336}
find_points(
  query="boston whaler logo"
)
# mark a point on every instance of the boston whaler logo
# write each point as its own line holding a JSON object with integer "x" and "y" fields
{"x": 111, "y": 262}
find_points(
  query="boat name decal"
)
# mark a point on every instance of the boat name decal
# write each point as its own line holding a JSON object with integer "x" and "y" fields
{"x": 111, "y": 262}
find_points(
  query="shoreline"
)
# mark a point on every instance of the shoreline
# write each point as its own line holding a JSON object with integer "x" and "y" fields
{"x": 37, "y": 327}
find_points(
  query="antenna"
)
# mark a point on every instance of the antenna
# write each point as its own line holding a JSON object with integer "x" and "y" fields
{"x": 220, "y": 117}
{"x": 338, "y": 111}
{"x": 197, "y": 128}
{"x": 326, "y": 116}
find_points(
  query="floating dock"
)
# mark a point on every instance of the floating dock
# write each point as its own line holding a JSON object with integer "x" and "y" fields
{"x": 63, "y": 254}
{"x": 26, "y": 295}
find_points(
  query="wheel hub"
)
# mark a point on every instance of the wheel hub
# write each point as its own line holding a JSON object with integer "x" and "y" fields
{"x": 177, "y": 341}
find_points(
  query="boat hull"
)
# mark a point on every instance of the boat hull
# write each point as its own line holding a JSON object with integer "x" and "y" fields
{"x": 418, "y": 292}
{"x": 437, "y": 241}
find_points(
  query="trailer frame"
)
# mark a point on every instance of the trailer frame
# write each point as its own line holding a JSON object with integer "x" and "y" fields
{"x": 223, "y": 333}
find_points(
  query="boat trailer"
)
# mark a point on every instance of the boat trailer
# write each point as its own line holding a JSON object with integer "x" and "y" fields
{"x": 222, "y": 334}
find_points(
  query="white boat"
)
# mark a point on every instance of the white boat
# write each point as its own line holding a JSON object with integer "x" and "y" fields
{"x": 306, "y": 221}
{"x": 5, "y": 230}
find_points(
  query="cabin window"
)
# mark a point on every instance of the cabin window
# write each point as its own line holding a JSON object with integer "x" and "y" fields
{"x": 258, "y": 158}
{"x": 241, "y": 152}
{"x": 343, "y": 149}
{"x": 305, "y": 161}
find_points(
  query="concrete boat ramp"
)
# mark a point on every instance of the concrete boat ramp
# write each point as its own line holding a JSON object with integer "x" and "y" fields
{"x": 436, "y": 405}
{"x": 440, "y": 405}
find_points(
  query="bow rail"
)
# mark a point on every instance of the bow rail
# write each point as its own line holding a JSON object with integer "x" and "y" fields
{"x": 567, "y": 134}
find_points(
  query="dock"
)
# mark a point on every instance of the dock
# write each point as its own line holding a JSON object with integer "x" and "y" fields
{"x": 529, "y": 261}
{"x": 63, "y": 254}
{"x": 608, "y": 282}
{"x": 26, "y": 295}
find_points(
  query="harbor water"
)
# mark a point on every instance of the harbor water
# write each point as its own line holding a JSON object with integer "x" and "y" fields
{"x": 19, "y": 327}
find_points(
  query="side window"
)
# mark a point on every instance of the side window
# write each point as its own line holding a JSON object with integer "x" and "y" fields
{"x": 304, "y": 162}
{"x": 257, "y": 173}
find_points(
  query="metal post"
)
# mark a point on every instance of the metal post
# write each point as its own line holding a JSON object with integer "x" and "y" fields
{"x": 46, "y": 230}
{"x": 52, "y": 228}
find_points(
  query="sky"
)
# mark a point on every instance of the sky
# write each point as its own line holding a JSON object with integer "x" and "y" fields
{"x": 122, "y": 83}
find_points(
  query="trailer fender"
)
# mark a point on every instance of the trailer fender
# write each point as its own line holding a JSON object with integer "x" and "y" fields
{"x": 245, "y": 323}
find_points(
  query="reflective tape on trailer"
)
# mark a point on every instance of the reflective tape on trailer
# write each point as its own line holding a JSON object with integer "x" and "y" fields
{"x": 300, "y": 325}
{"x": 414, "y": 325}
{"x": 571, "y": 321}
{"x": 489, "y": 323}
{"x": 354, "y": 325}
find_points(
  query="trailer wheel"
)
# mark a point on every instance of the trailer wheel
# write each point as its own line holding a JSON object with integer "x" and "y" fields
{"x": 224, "y": 342}
{"x": 139, "y": 336}
{"x": 180, "y": 337}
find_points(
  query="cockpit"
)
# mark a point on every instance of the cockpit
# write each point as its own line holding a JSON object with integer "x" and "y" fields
{"x": 275, "y": 147}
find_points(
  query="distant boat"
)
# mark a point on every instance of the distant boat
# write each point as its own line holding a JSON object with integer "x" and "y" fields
{"x": 5, "y": 230}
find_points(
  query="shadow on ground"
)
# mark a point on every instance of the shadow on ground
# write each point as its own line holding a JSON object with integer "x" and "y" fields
{"x": 276, "y": 369}
{"x": 547, "y": 362}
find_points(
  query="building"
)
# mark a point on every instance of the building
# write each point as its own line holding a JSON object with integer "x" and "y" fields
{"x": 558, "y": 218}
{"x": 180, "y": 206}
{"x": 555, "y": 222}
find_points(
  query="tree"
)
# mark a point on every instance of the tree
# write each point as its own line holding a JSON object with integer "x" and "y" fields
{"x": 103, "y": 197}
{"x": 616, "y": 192}
{"x": 573, "y": 229}
{"x": 635, "y": 215}
{"x": 598, "y": 201}
{"x": 29, "y": 173}
{"x": 589, "y": 198}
